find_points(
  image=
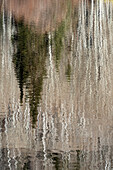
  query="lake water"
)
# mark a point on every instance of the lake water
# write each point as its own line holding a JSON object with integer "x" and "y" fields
{"x": 56, "y": 85}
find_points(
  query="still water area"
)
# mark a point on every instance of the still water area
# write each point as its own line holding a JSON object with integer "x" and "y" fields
{"x": 56, "y": 85}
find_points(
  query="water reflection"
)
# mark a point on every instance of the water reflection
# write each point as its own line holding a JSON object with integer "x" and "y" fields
{"x": 56, "y": 85}
{"x": 43, "y": 14}
{"x": 29, "y": 61}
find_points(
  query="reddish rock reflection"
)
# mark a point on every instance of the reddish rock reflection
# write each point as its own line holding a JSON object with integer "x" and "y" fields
{"x": 45, "y": 14}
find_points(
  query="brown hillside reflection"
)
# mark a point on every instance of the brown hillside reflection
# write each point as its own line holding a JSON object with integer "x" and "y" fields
{"x": 45, "y": 14}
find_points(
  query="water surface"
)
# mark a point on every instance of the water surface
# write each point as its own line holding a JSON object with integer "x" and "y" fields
{"x": 56, "y": 85}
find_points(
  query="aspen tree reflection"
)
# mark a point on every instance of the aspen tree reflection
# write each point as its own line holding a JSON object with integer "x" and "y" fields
{"x": 69, "y": 93}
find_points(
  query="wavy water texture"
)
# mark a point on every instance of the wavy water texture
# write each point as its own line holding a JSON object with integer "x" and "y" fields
{"x": 56, "y": 94}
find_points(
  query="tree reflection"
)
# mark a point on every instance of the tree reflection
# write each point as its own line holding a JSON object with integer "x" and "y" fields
{"x": 29, "y": 62}
{"x": 58, "y": 39}
{"x": 31, "y": 50}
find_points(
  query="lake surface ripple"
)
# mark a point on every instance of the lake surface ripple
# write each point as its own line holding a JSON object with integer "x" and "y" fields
{"x": 56, "y": 85}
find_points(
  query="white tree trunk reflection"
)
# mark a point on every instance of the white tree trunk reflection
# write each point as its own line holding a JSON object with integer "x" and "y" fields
{"x": 74, "y": 122}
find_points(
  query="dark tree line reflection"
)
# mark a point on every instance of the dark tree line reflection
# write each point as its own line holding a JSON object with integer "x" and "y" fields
{"x": 29, "y": 62}
{"x": 31, "y": 51}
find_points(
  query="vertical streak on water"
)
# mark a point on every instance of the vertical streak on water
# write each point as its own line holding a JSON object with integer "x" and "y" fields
{"x": 14, "y": 129}
{"x": 79, "y": 50}
{"x": 83, "y": 25}
{"x": 7, "y": 141}
{"x": 71, "y": 113}
{"x": 79, "y": 46}
{"x": 14, "y": 114}
{"x": 84, "y": 39}
{"x": 44, "y": 137}
{"x": 71, "y": 117}
{"x": 100, "y": 24}
{"x": 9, "y": 33}
{"x": 111, "y": 40}
{"x": 0, "y": 143}
{"x": 19, "y": 155}
{"x": 67, "y": 132}
{"x": 3, "y": 65}
{"x": 25, "y": 116}
{"x": 62, "y": 120}
{"x": 84, "y": 45}
{"x": 3, "y": 46}
{"x": 3, "y": 38}
{"x": 28, "y": 117}
{"x": 50, "y": 58}
{"x": 45, "y": 114}
{"x": 14, "y": 158}
{"x": 51, "y": 74}
{"x": 96, "y": 52}
{"x": 90, "y": 47}
{"x": 52, "y": 90}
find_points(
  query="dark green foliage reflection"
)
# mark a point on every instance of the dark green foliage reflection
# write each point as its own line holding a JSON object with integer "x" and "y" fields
{"x": 68, "y": 71}
{"x": 29, "y": 62}
{"x": 31, "y": 50}
{"x": 58, "y": 39}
